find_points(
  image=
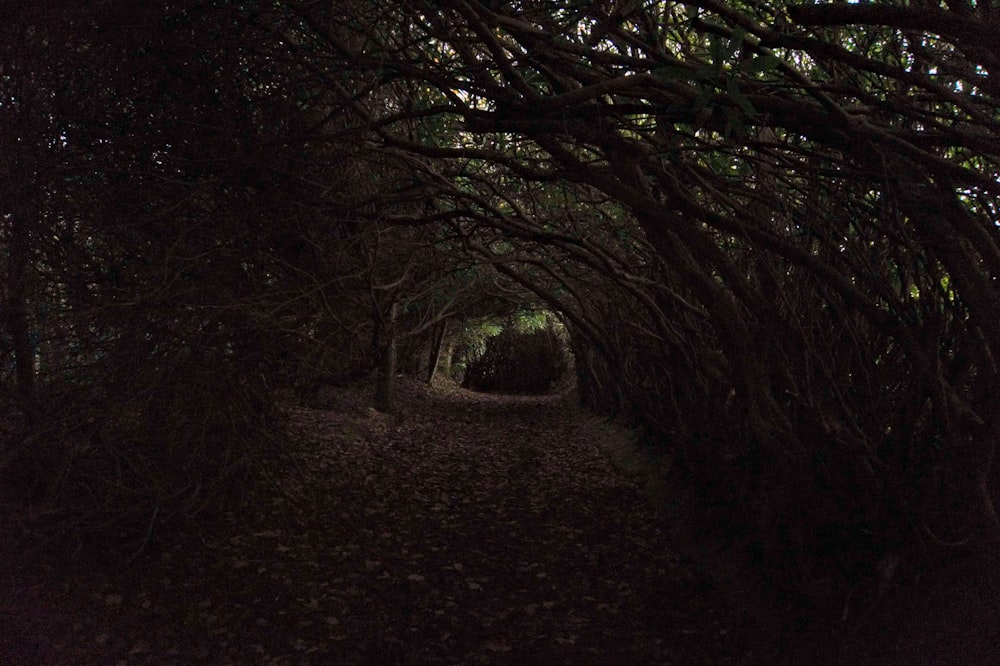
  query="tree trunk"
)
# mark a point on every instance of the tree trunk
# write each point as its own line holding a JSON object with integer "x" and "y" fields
{"x": 18, "y": 324}
{"x": 385, "y": 389}
{"x": 437, "y": 344}
{"x": 447, "y": 355}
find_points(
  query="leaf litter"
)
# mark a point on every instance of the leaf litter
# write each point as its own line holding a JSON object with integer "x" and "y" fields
{"x": 469, "y": 528}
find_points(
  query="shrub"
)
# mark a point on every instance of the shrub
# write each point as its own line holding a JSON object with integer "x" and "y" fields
{"x": 519, "y": 362}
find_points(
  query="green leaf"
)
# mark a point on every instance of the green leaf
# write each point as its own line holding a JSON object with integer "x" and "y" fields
{"x": 765, "y": 62}
{"x": 702, "y": 100}
{"x": 738, "y": 98}
{"x": 735, "y": 42}
{"x": 717, "y": 49}
{"x": 734, "y": 124}
{"x": 673, "y": 73}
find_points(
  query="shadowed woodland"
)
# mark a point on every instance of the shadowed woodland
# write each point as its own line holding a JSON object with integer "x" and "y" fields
{"x": 760, "y": 238}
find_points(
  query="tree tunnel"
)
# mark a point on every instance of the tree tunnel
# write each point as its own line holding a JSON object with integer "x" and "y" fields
{"x": 769, "y": 231}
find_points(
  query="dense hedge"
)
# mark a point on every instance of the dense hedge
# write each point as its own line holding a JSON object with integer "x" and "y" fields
{"x": 517, "y": 362}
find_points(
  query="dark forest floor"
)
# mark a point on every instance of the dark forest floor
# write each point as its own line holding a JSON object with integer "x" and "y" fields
{"x": 467, "y": 529}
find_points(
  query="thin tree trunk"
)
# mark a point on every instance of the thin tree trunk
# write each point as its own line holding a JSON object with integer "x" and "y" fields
{"x": 18, "y": 324}
{"x": 385, "y": 389}
{"x": 447, "y": 354}
{"x": 437, "y": 344}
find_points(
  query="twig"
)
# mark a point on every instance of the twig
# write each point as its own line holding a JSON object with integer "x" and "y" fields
{"x": 149, "y": 534}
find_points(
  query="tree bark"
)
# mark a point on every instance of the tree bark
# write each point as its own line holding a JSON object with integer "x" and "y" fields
{"x": 18, "y": 324}
{"x": 437, "y": 344}
{"x": 385, "y": 388}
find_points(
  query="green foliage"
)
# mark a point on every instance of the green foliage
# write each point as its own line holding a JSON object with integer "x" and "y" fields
{"x": 529, "y": 320}
{"x": 472, "y": 340}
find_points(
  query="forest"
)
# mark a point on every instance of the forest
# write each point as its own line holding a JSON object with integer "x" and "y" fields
{"x": 763, "y": 237}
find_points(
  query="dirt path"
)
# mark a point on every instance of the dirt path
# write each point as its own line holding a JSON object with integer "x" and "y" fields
{"x": 472, "y": 529}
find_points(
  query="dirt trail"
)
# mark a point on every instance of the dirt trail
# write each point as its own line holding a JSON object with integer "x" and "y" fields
{"x": 470, "y": 529}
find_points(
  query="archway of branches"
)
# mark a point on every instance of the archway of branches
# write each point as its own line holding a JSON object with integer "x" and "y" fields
{"x": 770, "y": 232}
